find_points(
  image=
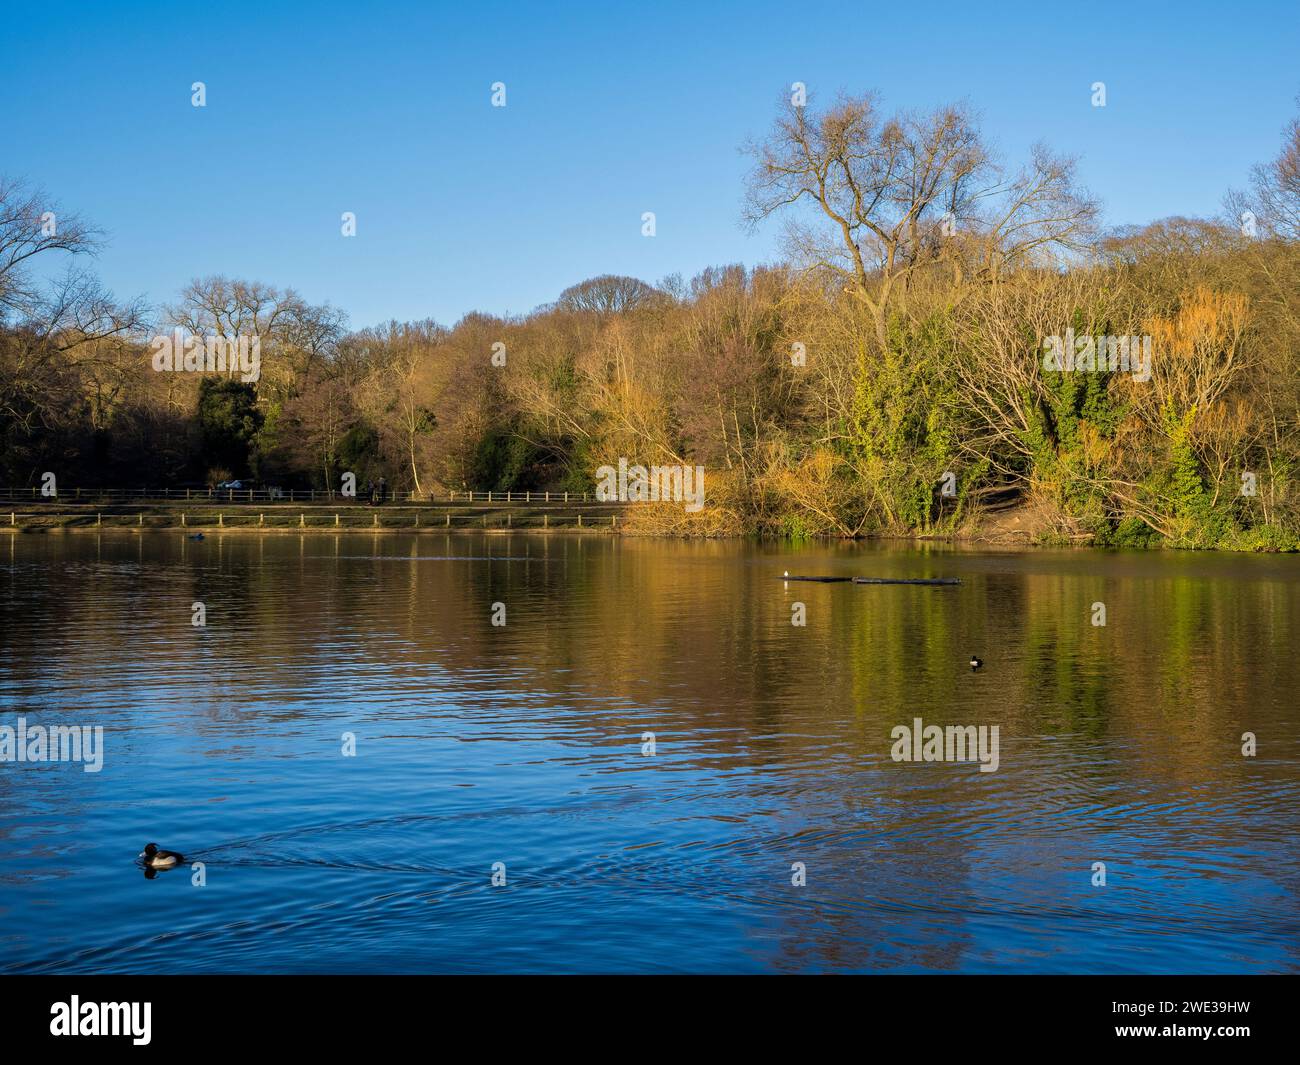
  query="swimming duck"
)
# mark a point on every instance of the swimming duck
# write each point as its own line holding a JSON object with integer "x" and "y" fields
{"x": 975, "y": 663}
{"x": 195, "y": 536}
{"x": 160, "y": 859}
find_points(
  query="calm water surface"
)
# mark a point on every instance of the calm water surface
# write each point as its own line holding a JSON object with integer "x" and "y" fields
{"x": 522, "y": 744}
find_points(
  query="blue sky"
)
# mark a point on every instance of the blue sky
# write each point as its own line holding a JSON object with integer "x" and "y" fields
{"x": 612, "y": 110}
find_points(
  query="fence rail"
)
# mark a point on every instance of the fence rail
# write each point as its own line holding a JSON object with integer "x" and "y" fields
{"x": 399, "y": 517}
{"x": 291, "y": 496}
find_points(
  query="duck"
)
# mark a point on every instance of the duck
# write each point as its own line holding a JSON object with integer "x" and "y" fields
{"x": 156, "y": 858}
{"x": 975, "y": 663}
{"x": 195, "y": 536}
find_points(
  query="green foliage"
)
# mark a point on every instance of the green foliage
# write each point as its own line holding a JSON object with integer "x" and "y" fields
{"x": 579, "y": 467}
{"x": 1130, "y": 532}
{"x": 358, "y": 453}
{"x": 797, "y": 527}
{"x": 426, "y": 421}
{"x": 1262, "y": 538}
{"x": 1075, "y": 423}
{"x": 504, "y": 461}
{"x": 229, "y": 421}
{"x": 1200, "y": 524}
{"x": 903, "y": 432}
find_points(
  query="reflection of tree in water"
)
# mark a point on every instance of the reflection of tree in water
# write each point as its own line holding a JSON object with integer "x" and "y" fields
{"x": 773, "y": 740}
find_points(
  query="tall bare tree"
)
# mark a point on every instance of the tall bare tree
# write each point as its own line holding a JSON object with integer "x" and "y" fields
{"x": 895, "y": 193}
{"x": 607, "y": 294}
{"x": 294, "y": 335}
{"x": 1274, "y": 196}
{"x": 31, "y": 224}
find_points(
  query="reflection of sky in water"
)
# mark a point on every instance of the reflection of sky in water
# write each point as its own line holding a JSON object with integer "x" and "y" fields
{"x": 522, "y": 744}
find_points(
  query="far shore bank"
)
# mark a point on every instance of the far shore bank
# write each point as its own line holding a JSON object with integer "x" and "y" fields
{"x": 1014, "y": 529}
{"x": 217, "y": 531}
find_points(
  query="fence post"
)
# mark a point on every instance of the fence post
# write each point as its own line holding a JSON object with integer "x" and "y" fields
{"x": 579, "y": 519}
{"x": 99, "y": 519}
{"x": 336, "y": 519}
{"x": 221, "y": 519}
{"x": 546, "y": 520}
{"x": 302, "y": 519}
{"x": 261, "y": 519}
{"x": 449, "y": 519}
{"x": 184, "y": 516}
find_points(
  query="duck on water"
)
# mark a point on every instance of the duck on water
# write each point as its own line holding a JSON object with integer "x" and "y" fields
{"x": 156, "y": 858}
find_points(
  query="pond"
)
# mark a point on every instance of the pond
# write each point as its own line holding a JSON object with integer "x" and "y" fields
{"x": 495, "y": 753}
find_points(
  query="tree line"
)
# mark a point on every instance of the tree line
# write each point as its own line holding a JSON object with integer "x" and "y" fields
{"x": 898, "y": 373}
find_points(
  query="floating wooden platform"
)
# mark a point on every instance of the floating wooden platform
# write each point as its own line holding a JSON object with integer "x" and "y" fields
{"x": 877, "y": 580}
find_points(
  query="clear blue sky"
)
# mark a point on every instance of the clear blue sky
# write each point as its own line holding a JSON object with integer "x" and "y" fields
{"x": 613, "y": 109}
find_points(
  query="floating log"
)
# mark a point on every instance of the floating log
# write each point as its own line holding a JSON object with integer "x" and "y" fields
{"x": 906, "y": 580}
{"x": 876, "y": 580}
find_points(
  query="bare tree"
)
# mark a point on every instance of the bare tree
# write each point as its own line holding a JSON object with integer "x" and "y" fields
{"x": 1274, "y": 196}
{"x": 897, "y": 190}
{"x": 230, "y": 307}
{"x": 319, "y": 416}
{"x": 1031, "y": 219}
{"x": 401, "y": 387}
{"x": 294, "y": 335}
{"x": 30, "y": 223}
{"x": 73, "y": 315}
{"x": 607, "y": 294}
